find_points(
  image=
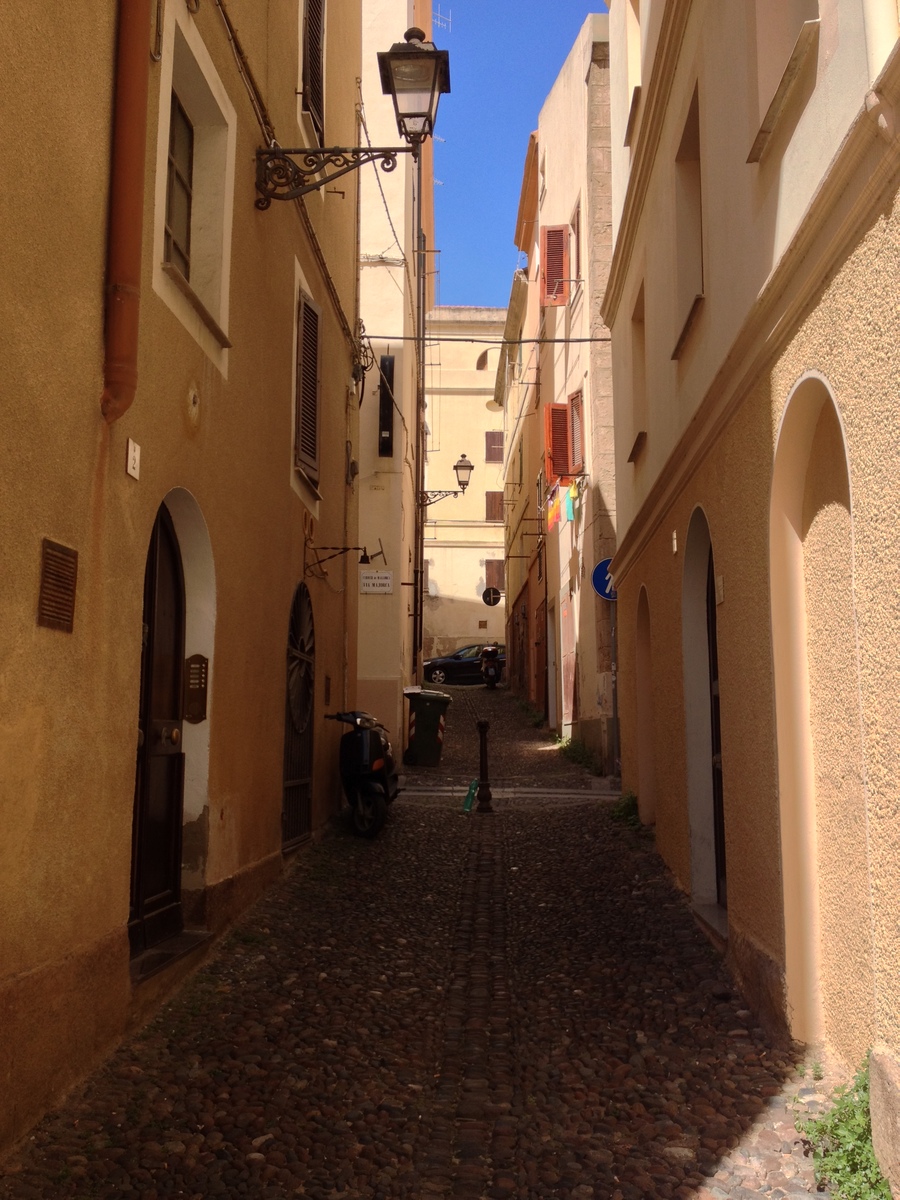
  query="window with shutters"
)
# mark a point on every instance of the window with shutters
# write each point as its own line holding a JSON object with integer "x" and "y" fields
{"x": 308, "y": 388}
{"x": 576, "y": 434}
{"x": 312, "y": 83}
{"x": 493, "y": 446}
{"x": 564, "y": 438}
{"x": 493, "y": 506}
{"x": 493, "y": 574}
{"x": 554, "y": 265}
{"x": 194, "y": 188}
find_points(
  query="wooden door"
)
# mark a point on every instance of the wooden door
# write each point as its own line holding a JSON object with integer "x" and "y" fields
{"x": 159, "y": 782}
{"x": 296, "y": 808}
{"x": 718, "y": 790}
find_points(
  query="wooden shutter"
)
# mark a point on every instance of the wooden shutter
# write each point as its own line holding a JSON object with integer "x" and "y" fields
{"x": 576, "y": 433}
{"x": 554, "y": 265}
{"x": 493, "y": 446}
{"x": 306, "y": 437}
{"x": 314, "y": 64}
{"x": 493, "y": 506}
{"x": 556, "y": 441}
{"x": 493, "y": 574}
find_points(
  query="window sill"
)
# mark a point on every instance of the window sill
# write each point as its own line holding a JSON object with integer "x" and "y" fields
{"x": 307, "y": 482}
{"x": 632, "y": 115}
{"x": 691, "y": 317}
{"x": 172, "y": 272}
{"x": 807, "y": 40}
{"x": 638, "y": 448}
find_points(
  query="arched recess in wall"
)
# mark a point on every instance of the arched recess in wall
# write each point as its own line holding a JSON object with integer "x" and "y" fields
{"x": 704, "y": 767}
{"x": 199, "y": 639}
{"x": 821, "y": 781}
{"x": 645, "y": 727}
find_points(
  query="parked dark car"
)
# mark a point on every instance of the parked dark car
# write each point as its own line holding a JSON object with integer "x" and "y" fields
{"x": 463, "y": 666}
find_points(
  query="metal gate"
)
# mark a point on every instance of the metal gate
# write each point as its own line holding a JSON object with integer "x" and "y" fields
{"x": 296, "y": 806}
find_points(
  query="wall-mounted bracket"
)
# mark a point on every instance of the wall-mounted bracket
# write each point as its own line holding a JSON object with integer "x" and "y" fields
{"x": 279, "y": 177}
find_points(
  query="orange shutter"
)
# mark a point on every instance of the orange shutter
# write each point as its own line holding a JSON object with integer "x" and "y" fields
{"x": 576, "y": 431}
{"x": 554, "y": 265}
{"x": 556, "y": 440}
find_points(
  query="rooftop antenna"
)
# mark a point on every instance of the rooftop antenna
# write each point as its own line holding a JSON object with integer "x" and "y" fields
{"x": 442, "y": 20}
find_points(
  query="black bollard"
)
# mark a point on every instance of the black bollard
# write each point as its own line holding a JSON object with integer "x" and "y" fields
{"x": 484, "y": 785}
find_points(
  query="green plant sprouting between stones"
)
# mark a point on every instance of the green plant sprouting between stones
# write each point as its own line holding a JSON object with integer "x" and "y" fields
{"x": 625, "y": 811}
{"x": 578, "y": 752}
{"x": 841, "y": 1141}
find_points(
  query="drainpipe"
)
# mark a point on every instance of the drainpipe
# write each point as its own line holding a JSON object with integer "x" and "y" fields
{"x": 126, "y": 207}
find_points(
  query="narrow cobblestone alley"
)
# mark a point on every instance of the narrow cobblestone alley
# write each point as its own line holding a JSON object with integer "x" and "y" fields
{"x": 513, "y": 1005}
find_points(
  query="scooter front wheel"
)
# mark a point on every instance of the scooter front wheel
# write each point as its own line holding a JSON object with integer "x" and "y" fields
{"x": 369, "y": 812}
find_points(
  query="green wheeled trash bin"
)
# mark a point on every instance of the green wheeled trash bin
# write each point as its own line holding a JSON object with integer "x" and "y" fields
{"x": 427, "y": 714}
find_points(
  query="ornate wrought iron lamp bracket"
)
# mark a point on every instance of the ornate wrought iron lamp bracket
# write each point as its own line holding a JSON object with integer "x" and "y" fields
{"x": 427, "y": 498}
{"x": 279, "y": 177}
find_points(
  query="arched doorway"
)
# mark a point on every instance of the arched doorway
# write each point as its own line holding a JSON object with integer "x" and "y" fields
{"x": 296, "y": 809}
{"x": 170, "y": 827}
{"x": 645, "y": 729}
{"x": 706, "y": 804}
{"x": 155, "y": 911}
{"x": 821, "y": 778}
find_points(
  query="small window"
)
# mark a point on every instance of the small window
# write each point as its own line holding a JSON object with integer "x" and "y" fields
{"x": 313, "y": 76}
{"x": 493, "y": 446}
{"x": 493, "y": 506}
{"x": 786, "y": 36}
{"x": 179, "y": 189}
{"x": 554, "y": 265}
{"x": 638, "y": 377}
{"x": 576, "y": 244}
{"x": 306, "y": 433}
{"x": 688, "y": 226}
{"x": 194, "y": 189}
{"x": 386, "y": 407}
{"x": 493, "y": 574}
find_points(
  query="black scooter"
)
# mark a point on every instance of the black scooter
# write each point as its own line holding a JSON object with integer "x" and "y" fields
{"x": 368, "y": 770}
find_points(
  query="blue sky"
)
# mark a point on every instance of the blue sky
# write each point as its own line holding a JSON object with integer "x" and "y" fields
{"x": 504, "y": 58}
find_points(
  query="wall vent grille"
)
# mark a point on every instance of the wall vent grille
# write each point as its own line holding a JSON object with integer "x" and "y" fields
{"x": 59, "y": 574}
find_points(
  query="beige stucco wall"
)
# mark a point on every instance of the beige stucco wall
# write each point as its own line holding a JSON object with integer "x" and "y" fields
{"x": 387, "y": 306}
{"x": 857, "y": 740}
{"x": 851, "y": 574}
{"x": 221, "y": 435}
{"x": 458, "y": 539}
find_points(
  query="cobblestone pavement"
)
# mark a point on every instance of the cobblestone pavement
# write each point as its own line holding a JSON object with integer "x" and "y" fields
{"x": 507, "y": 1005}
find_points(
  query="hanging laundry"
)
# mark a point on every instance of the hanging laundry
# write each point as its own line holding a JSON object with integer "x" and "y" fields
{"x": 553, "y": 511}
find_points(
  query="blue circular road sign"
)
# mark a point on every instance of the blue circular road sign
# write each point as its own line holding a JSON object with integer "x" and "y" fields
{"x": 601, "y": 580}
